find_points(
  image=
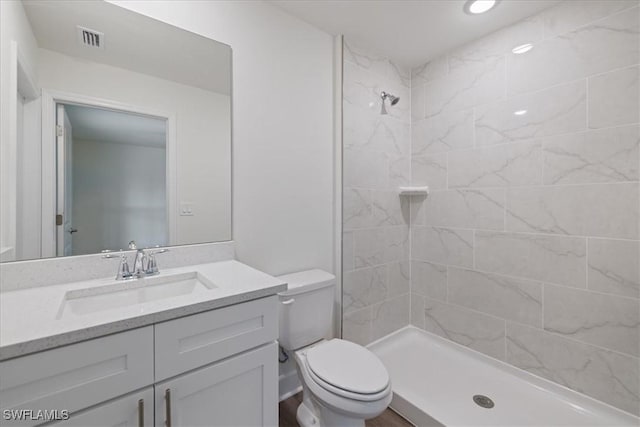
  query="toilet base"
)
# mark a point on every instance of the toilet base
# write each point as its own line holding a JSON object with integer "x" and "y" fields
{"x": 323, "y": 417}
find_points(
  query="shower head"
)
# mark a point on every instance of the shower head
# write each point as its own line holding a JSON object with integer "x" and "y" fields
{"x": 393, "y": 100}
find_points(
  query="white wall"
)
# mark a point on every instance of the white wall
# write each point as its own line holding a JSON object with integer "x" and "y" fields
{"x": 14, "y": 26}
{"x": 203, "y": 129}
{"x": 282, "y": 128}
{"x": 112, "y": 207}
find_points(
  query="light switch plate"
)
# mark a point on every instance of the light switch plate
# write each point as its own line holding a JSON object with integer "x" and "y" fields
{"x": 186, "y": 209}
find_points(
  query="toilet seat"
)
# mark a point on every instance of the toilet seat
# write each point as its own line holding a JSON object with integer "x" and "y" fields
{"x": 348, "y": 370}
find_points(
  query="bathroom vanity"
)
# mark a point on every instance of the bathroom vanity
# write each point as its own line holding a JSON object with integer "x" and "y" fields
{"x": 173, "y": 349}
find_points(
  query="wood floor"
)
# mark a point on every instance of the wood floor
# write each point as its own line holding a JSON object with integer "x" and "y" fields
{"x": 289, "y": 406}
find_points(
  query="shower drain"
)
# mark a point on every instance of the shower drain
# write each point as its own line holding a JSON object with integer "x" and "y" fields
{"x": 483, "y": 401}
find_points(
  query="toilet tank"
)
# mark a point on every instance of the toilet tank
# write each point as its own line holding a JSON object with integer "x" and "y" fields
{"x": 306, "y": 308}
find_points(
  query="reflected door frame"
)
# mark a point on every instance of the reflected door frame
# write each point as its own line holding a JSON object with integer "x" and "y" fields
{"x": 50, "y": 98}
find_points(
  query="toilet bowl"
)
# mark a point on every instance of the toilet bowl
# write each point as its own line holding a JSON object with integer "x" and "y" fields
{"x": 343, "y": 383}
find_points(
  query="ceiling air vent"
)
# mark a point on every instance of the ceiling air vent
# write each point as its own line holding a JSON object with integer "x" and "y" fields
{"x": 90, "y": 38}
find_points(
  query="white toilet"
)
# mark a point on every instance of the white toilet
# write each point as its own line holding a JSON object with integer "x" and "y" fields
{"x": 343, "y": 383}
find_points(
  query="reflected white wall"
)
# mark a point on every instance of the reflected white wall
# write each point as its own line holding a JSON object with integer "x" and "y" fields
{"x": 112, "y": 207}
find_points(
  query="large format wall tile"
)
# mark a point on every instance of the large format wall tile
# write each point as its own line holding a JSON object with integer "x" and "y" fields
{"x": 555, "y": 259}
{"x": 482, "y": 209}
{"x": 390, "y": 315}
{"x": 365, "y": 128}
{"x": 614, "y": 98}
{"x": 604, "y": 210}
{"x": 442, "y": 132}
{"x": 549, "y": 112}
{"x": 375, "y": 246}
{"x": 365, "y": 169}
{"x": 356, "y": 326}
{"x": 512, "y": 299}
{"x": 417, "y": 102}
{"x": 496, "y": 166}
{"x": 429, "y": 280}
{"x": 417, "y": 310}
{"x": 364, "y": 287}
{"x": 614, "y": 266}
{"x": 442, "y": 245}
{"x": 362, "y": 88}
{"x": 604, "y": 45}
{"x": 432, "y": 70}
{"x": 606, "y": 155}
{"x": 357, "y": 208}
{"x": 466, "y": 87}
{"x": 398, "y": 278}
{"x": 368, "y": 60}
{"x": 568, "y": 16}
{"x": 389, "y": 208}
{"x": 496, "y": 44}
{"x": 429, "y": 170}
{"x": 604, "y": 320}
{"x": 399, "y": 171}
{"x": 475, "y": 330}
{"x": 365, "y": 59}
{"x": 605, "y": 375}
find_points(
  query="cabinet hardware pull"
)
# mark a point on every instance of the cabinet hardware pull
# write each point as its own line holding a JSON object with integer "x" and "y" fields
{"x": 167, "y": 398}
{"x": 141, "y": 413}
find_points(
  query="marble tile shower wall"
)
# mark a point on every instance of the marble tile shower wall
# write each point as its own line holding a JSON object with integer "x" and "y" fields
{"x": 376, "y": 160}
{"x": 528, "y": 247}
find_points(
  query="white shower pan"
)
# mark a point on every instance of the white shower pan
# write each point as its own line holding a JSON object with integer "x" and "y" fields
{"x": 434, "y": 381}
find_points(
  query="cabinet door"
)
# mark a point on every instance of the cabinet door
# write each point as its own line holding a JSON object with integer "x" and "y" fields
{"x": 239, "y": 391}
{"x": 132, "y": 410}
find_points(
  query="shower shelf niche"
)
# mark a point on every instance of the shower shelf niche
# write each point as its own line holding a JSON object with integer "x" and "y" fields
{"x": 414, "y": 191}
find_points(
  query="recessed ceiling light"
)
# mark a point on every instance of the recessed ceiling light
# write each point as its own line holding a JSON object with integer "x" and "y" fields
{"x": 520, "y": 112}
{"x": 476, "y": 7}
{"x": 523, "y": 48}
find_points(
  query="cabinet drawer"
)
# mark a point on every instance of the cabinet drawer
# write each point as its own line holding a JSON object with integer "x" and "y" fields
{"x": 78, "y": 375}
{"x": 197, "y": 340}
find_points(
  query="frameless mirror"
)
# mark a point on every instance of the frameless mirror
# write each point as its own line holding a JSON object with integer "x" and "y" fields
{"x": 119, "y": 130}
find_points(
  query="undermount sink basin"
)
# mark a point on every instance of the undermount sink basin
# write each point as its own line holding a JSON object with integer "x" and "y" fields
{"x": 131, "y": 292}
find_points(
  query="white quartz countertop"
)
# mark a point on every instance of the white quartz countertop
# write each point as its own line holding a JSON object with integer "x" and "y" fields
{"x": 30, "y": 319}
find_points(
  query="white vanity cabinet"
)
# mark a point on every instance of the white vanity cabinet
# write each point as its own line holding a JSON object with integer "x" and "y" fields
{"x": 215, "y": 368}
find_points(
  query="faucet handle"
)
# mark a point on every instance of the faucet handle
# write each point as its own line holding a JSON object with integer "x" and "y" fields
{"x": 152, "y": 264}
{"x": 123, "y": 268}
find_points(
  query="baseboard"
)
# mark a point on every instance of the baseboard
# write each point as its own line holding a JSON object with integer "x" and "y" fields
{"x": 288, "y": 385}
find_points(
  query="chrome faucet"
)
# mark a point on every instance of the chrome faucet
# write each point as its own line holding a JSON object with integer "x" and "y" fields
{"x": 144, "y": 263}
{"x": 140, "y": 264}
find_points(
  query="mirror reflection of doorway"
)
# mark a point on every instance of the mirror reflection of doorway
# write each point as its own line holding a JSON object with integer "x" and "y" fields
{"x": 111, "y": 180}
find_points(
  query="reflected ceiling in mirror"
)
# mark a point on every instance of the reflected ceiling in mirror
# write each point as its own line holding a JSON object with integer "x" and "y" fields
{"x": 121, "y": 131}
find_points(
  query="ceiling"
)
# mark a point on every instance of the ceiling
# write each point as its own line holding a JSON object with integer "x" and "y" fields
{"x": 132, "y": 41}
{"x": 96, "y": 124}
{"x": 409, "y": 32}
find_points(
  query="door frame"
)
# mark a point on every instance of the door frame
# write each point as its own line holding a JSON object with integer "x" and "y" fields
{"x": 49, "y": 203}
{"x": 20, "y": 81}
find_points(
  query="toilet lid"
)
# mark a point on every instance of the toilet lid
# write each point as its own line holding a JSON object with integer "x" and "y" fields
{"x": 348, "y": 366}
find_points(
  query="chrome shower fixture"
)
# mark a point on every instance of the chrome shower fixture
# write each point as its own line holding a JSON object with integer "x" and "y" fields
{"x": 392, "y": 99}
